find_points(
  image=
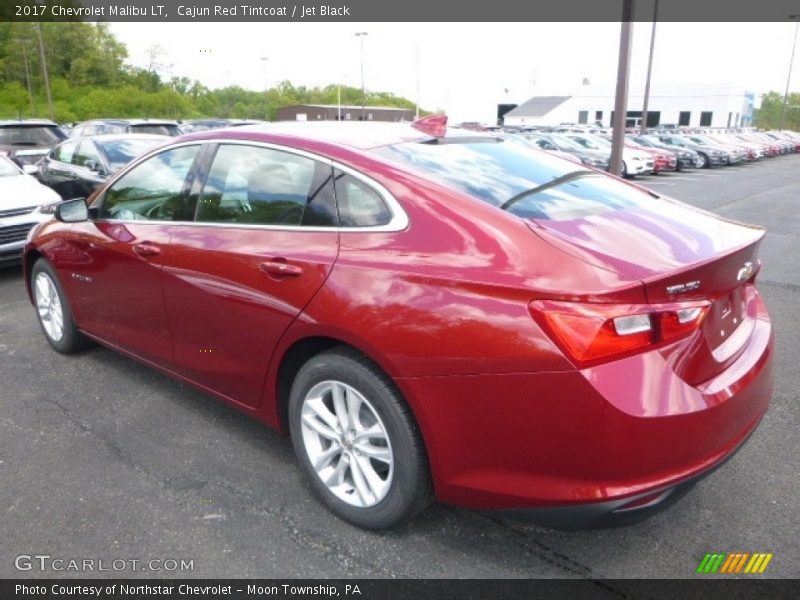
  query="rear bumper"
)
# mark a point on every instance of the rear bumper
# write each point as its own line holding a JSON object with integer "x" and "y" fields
{"x": 591, "y": 440}
{"x": 612, "y": 513}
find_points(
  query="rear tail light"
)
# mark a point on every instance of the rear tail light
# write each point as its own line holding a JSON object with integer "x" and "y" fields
{"x": 590, "y": 332}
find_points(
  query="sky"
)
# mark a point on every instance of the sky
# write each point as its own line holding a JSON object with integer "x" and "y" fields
{"x": 466, "y": 69}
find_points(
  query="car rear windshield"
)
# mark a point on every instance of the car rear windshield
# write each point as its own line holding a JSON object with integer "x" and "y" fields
{"x": 26, "y": 135}
{"x": 171, "y": 130}
{"x": 516, "y": 178}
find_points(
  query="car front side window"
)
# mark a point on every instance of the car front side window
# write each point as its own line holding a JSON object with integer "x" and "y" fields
{"x": 87, "y": 155}
{"x": 64, "y": 152}
{"x": 261, "y": 186}
{"x": 155, "y": 189}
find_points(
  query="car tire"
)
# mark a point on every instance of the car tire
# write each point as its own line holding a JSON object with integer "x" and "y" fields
{"x": 357, "y": 442}
{"x": 625, "y": 170}
{"x": 704, "y": 162}
{"x": 53, "y": 310}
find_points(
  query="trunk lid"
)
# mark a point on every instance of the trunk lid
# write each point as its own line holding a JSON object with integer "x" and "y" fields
{"x": 678, "y": 253}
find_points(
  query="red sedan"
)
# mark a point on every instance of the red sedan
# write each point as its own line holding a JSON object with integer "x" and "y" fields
{"x": 428, "y": 313}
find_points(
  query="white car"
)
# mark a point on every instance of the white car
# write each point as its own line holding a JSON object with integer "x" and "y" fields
{"x": 24, "y": 202}
{"x": 634, "y": 162}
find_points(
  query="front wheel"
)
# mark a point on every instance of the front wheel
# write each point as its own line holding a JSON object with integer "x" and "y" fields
{"x": 703, "y": 162}
{"x": 357, "y": 442}
{"x": 52, "y": 308}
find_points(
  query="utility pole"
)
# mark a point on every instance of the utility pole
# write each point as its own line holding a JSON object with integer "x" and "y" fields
{"x": 44, "y": 72}
{"x": 621, "y": 103}
{"x": 789, "y": 77}
{"x": 25, "y": 47}
{"x": 266, "y": 97}
{"x": 649, "y": 71}
{"x": 417, "y": 112}
{"x": 360, "y": 35}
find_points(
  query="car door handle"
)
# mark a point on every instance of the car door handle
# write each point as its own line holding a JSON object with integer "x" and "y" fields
{"x": 279, "y": 268}
{"x": 146, "y": 250}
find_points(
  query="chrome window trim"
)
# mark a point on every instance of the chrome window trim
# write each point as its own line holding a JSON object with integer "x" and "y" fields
{"x": 398, "y": 222}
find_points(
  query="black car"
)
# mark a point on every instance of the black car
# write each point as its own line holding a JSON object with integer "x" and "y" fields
{"x": 76, "y": 167}
{"x": 107, "y": 126}
{"x": 27, "y": 141}
{"x": 709, "y": 155}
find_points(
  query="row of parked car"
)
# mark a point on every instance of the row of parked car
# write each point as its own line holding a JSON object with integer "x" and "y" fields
{"x": 42, "y": 163}
{"x": 73, "y": 161}
{"x": 663, "y": 150}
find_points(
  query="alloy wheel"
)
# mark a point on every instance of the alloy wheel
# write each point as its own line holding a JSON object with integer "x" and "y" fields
{"x": 48, "y": 305}
{"x": 347, "y": 443}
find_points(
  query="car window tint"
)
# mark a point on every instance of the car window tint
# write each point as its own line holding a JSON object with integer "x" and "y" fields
{"x": 28, "y": 135}
{"x": 498, "y": 172}
{"x": 261, "y": 186}
{"x": 359, "y": 204}
{"x": 153, "y": 189}
{"x": 65, "y": 152}
{"x": 86, "y": 152}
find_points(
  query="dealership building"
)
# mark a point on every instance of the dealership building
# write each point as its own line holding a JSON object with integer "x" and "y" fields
{"x": 335, "y": 112}
{"x": 691, "y": 106}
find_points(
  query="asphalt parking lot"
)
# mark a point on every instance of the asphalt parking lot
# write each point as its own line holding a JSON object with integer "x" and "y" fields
{"x": 103, "y": 458}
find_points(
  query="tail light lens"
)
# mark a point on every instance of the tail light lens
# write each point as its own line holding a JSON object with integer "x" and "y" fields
{"x": 590, "y": 332}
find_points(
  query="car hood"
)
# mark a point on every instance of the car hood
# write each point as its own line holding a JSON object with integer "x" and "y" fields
{"x": 18, "y": 191}
{"x": 650, "y": 241}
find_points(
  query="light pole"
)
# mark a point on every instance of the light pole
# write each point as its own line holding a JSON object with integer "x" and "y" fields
{"x": 416, "y": 116}
{"x": 643, "y": 124}
{"x": 791, "y": 63}
{"x": 360, "y": 35}
{"x": 621, "y": 102}
{"x": 266, "y": 97}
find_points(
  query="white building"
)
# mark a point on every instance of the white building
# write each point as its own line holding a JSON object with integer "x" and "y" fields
{"x": 695, "y": 106}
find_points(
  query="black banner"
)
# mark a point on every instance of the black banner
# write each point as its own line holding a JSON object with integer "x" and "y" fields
{"x": 733, "y": 588}
{"x": 394, "y": 11}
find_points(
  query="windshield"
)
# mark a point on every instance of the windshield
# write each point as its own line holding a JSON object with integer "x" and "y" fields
{"x": 30, "y": 135}
{"x": 586, "y": 142}
{"x": 121, "y": 152}
{"x": 521, "y": 180}
{"x": 562, "y": 142}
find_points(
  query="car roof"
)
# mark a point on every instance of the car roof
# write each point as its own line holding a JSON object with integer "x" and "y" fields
{"x": 132, "y": 121}
{"x": 28, "y": 122}
{"x": 111, "y": 137}
{"x": 357, "y": 135}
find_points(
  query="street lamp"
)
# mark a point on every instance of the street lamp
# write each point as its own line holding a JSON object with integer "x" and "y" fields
{"x": 791, "y": 63}
{"x": 643, "y": 123}
{"x": 266, "y": 97}
{"x": 360, "y": 35}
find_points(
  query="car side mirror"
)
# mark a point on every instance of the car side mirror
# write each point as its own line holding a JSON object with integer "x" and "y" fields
{"x": 30, "y": 169}
{"x": 72, "y": 211}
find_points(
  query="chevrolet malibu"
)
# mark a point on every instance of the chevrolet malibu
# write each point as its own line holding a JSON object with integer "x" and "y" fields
{"x": 428, "y": 313}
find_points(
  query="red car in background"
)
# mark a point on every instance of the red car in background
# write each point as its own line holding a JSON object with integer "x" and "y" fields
{"x": 663, "y": 160}
{"x": 427, "y": 312}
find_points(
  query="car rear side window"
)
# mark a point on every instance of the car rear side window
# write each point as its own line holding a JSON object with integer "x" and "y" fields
{"x": 152, "y": 190}
{"x": 359, "y": 205}
{"x": 261, "y": 186}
